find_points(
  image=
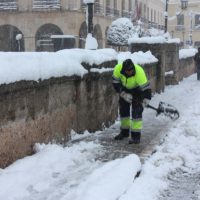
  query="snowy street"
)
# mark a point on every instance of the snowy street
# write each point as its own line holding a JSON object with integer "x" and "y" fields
{"x": 94, "y": 166}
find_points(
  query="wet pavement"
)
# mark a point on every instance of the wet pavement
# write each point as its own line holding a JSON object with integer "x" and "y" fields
{"x": 153, "y": 133}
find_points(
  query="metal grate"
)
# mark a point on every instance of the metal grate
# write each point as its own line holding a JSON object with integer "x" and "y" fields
{"x": 46, "y": 4}
{"x": 8, "y": 5}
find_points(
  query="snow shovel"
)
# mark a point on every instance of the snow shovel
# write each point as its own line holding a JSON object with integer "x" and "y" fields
{"x": 166, "y": 109}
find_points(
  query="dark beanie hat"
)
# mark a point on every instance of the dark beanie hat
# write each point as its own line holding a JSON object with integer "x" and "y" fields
{"x": 128, "y": 64}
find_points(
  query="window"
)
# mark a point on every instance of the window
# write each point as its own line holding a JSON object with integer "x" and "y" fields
{"x": 108, "y": 8}
{"x": 115, "y": 4}
{"x": 123, "y": 4}
{"x": 130, "y": 5}
{"x": 180, "y": 22}
{"x": 43, "y": 4}
{"x": 72, "y": 5}
{"x": 197, "y": 21}
{"x": 184, "y": 4}
{"x": 8, "y": 5}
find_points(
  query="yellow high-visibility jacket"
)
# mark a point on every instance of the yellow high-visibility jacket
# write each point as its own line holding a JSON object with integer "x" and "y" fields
{"x": 133, "y": 84}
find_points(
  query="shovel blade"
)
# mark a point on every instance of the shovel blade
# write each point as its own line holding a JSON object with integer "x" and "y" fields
{"x": 168, "y": 110}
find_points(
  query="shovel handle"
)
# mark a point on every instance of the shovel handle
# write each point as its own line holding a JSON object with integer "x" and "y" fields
{"x": 149, "y": 106}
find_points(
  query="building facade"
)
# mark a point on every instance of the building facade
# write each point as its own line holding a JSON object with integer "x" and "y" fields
{"x": 184, "y": 21}
{"x": 34, "y": 25}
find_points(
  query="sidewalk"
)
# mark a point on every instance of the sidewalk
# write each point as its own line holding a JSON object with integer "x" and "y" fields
{"x": 153, "y": 134}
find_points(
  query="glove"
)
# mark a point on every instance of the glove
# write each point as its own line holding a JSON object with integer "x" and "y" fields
{"x": 126, "y": 96}
{"x": 145, "y": 102}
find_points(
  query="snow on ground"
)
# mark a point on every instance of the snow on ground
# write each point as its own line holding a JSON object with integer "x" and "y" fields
{"x": 55, "y": 172}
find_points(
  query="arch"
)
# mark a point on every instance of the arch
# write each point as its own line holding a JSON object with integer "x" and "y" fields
{"x": 98, "y": 35}
{"x": 43, "y": 41}
{"x": 8, "y": 39}
{"x": 82, "y": 35}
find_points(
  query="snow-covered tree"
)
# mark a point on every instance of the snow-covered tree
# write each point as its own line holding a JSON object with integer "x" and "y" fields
{"x": 120, "y": 31}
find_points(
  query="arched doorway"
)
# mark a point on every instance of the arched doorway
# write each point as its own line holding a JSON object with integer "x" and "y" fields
{"x": 11, "y": 38}
{"x": 82, "y": 35}
{"x": 43, "y": 41}
{"x": 98, "y": 35}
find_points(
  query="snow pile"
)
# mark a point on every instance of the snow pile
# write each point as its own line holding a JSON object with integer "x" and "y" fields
{"x": 153, "y": 40}
{"x": 88, "y": 1}
{"x": 155, "y": 32}
{"x": 185, "y": 53}
{"x": 138, "y": 57}
{"x": 91, "y": 42}
{"x": 16, "y": 66}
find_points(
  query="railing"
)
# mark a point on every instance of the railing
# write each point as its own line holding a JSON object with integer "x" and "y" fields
{"x": 109, "y": 11}
{"x": 126, "y": 13}
{"x": 8, "y": 5}
{"x": 152, "y": 25}
{"x": 83, "y": 7}
{"x": 98, "y": 8}
{"x": 46, "y": 4}
{"x": 180, "y": 28}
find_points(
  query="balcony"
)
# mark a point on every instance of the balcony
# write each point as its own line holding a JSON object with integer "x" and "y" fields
{"x": 46, "y": 5}
{"x": 83, "y": 7}
{"x": 153, "y": 25}
{"x": 109, "y": 11}
{"x": 126, "y": 13}
{"x": 8, "y": 5}
{"x": 180, "y": 28}
{"x": 98, "y": 8}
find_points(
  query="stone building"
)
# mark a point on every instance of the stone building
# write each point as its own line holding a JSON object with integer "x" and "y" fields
{"x": 184, "y": 21}
{"x": 34, "y": 25}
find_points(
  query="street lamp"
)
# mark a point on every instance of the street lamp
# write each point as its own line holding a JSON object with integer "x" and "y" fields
{"x": 18, "y": 38}
{"x": 166, "y": 15}
{"x": 89, "y": 15}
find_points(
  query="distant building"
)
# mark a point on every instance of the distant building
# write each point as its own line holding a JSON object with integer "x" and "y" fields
{"x": 37, "y": 20}
{"x": 184, "y": 21}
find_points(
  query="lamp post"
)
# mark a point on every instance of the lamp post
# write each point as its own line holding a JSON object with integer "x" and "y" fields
{"x": 184, "y": 5}
{"x": 18, "y": 38}
{"x": 166, "y": 15}
{"x": 190, "y": 30}
{"x": 89, "y": 15}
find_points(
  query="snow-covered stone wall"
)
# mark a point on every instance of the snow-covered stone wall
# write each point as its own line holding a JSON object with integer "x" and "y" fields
{"x": 48, "y": 110}
{"x": 172, "y": 66}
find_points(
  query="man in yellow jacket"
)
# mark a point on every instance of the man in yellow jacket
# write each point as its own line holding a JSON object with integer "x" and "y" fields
{"x": 130, "y": 81}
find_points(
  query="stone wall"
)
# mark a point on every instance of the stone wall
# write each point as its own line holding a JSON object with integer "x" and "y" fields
{"x": 186, "y": 67}
{"x": 168, "y": 61}
{"x": 48, "y": 110}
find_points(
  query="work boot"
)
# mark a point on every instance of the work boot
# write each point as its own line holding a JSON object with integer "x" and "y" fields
{"x": 135, "y": 138}
{"x": 123, "y": 133}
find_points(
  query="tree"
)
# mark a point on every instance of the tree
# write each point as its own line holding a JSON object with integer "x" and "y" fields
{"x": 120, "y": 31}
